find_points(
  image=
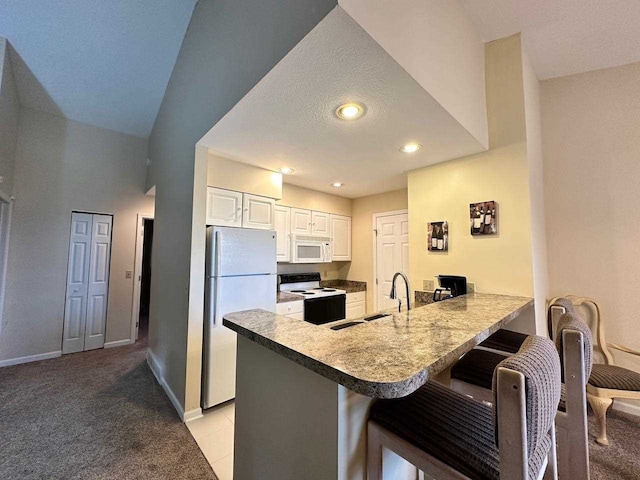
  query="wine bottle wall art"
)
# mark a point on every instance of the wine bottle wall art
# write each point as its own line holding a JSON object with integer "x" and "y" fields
{"x": 438, "y": 236}
{"x": 483, "y": 218}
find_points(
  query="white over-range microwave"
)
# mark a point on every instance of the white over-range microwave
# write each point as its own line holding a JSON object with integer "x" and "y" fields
{"x": 310, "y": 249}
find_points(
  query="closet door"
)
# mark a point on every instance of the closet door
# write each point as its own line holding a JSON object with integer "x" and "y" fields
{"x": 75, "y": 309}
{"x": 98, "y": 290}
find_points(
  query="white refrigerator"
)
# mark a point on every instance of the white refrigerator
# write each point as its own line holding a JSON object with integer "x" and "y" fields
{"x": 240, "y": 275}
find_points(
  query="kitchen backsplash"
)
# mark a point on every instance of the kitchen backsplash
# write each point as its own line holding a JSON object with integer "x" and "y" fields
{"x": 328, "y": 271}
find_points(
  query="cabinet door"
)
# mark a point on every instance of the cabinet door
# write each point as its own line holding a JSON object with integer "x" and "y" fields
{"x": 258, "y": 212}
{"x": 300, "y": 221}
{"x": 224, "y": 207}
{"x": 355, "y": 310}
{"x": 320, "y": 224}
{"x": 341, "y": 238}
{"x": 282, "y": 225}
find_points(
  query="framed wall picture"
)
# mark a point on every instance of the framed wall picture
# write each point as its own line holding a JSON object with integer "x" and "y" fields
{"x": 438, "y": 236}
{"x": 483, "y": 218}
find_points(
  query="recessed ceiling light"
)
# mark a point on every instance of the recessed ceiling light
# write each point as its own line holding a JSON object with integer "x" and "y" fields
{"x": 350, "y": 111}
{"x": 337, "y": 184}
{"x": 410, "y": 148}
{"x": 286, "y": 170}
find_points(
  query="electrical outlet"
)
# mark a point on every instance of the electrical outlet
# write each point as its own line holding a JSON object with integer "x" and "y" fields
{"x": 428, "y": 285}
{"x": 471, "y": 287}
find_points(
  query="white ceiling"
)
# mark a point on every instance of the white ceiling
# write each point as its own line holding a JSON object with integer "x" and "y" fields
{"x": 288, "y": 118}
{"x": 106, "y": 63}
{"x": 564, "y": 37}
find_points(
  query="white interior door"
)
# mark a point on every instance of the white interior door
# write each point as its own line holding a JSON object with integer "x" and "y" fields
{"x": 392, "y": 255}
{"x": 98, "y": 282}
{"x": 75, "y": 309}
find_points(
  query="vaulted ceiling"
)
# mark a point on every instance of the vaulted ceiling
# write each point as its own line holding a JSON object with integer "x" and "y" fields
{"x": 105, "y": 63}
{"x": 564, "y": 37}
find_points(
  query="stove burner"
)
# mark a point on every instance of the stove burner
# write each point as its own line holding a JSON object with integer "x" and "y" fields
{"x": 297, "y": 291}
{"x": 308, "y": 293}
{"x": 328, "y": 289}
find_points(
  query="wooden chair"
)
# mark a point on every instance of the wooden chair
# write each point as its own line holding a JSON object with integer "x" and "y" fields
{"x": 607, "y": 381}
{"x": 472, "y": 376}
{"x": 450, "y": 436}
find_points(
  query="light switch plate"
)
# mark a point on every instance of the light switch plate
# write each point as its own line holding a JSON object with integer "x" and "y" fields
{"x": 471, "y": 287}
{"x": 128, "y": 274}
{"x": 428, "y": 285}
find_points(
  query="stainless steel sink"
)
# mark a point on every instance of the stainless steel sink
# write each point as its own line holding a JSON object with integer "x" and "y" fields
{"x": 376, "y": 316}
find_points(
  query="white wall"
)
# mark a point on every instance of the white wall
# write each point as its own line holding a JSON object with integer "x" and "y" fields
{"x": 63, "y": 166}
{"x": 591, "y": 133}
{"x": 533, "y": 121}
{"x": 9, "y": 113}
{"x": 439, "y": 46}
{"x": 228, "y": 48}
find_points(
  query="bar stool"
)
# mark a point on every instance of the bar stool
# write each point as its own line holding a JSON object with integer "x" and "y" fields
{"x": 575, "y": 346}
{"x": 448, "y": 435}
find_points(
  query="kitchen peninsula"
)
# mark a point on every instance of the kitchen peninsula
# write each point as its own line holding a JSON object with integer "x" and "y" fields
{"x": 303, "y": 391}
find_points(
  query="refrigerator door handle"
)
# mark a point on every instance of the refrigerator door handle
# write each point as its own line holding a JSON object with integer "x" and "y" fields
{"x": 216, "y": 254}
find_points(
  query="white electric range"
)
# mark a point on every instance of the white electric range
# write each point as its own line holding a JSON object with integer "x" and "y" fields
{"x": 321, "y": 305}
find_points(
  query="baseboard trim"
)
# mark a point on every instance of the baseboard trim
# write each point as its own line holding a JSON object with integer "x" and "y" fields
{"x": 30, "y": 358}
{"x": 193, "y": 415}
{"x": 158, "y": 371}
{"x": 117, "y": 343}
{"x": 630, "y": 408}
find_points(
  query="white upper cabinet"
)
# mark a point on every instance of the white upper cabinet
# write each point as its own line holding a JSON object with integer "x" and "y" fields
{"x": 224, "y": 207}
{"x": 283, "y": 233}
{"x": 341, "y": 238}
{"x": 300, "y": 221}
{"x": 258, "y": 212}
{"x": 320, "y": 224}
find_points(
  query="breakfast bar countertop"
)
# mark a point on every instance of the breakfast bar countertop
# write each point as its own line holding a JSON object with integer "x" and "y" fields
{"x": 389, "y": 357}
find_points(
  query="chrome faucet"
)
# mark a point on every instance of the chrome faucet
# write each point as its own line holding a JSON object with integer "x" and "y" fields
{"x": 393, "y": 295}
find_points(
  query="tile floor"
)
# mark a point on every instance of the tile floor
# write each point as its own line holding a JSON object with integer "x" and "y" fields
{"x": 214, "y": 435}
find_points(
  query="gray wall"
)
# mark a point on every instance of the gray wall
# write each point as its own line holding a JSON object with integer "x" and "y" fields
{"x": 229, "y": 46}
{"x": 62, "y": 166}
{"x": 9, "y": 112}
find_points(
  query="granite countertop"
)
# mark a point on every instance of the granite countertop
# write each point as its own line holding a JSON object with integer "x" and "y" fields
{"x": 390, "y": 357}
{"x": 351, "y": 286}
{"x": 283, "y": 297}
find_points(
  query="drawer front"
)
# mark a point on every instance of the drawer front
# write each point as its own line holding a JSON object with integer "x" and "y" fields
{"x": 356, "y": 297}
{"x": 290, "y": 308}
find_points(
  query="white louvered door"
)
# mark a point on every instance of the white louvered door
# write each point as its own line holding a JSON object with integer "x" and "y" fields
{"x": 87, "y": 282}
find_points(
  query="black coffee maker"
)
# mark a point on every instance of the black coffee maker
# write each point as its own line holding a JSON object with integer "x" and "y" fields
{"x": 450, "y": 286}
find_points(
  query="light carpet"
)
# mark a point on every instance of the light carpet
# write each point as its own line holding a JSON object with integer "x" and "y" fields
{"x": 93, "y": 415}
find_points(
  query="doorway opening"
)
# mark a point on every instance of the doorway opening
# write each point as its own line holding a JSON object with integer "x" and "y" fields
{"x": 142, "y": 279}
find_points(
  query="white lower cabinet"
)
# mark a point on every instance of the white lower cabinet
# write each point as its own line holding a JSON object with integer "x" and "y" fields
{"x": 291, "y": 309}
{"x": 356, "y": 305}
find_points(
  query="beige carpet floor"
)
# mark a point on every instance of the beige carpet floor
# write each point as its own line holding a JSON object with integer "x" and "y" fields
{"x": 621, "y": 459}
{"x": 102, "y": 415}
{"x": 93, "y": 415}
